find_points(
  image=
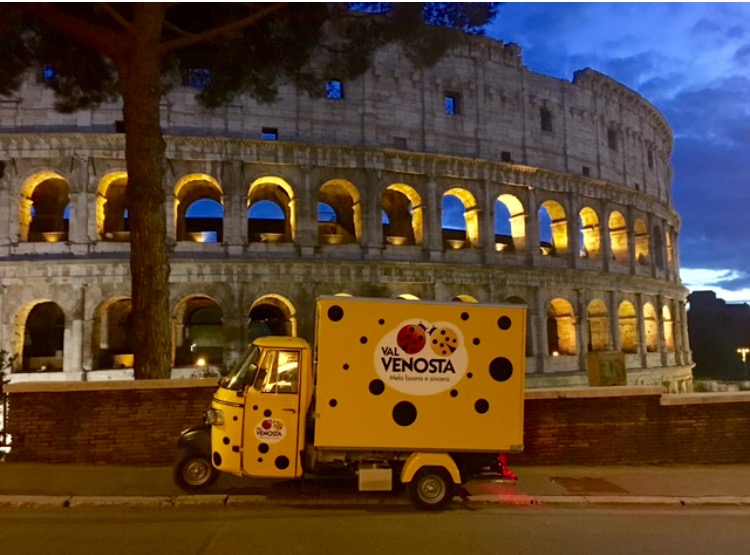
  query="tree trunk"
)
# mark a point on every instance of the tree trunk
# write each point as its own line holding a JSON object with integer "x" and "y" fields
{"x": 140, "y": 79}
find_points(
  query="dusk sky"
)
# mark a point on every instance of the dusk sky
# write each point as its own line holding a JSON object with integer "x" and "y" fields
{"x": 692, "y": 61}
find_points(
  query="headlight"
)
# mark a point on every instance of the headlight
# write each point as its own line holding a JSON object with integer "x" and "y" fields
{"x": 215, "y": 417}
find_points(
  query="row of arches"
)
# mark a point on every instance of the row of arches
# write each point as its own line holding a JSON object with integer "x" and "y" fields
{"x": 199, "y": 332}
{"x": 272, "y": 217}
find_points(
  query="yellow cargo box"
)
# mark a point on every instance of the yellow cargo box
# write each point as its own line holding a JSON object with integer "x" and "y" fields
{"x": 419, "y": 376}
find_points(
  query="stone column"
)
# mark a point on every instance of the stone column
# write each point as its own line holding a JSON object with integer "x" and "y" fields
{"x": 73, "y": 334}
{"x": 433, "y": 234}
{"x": 532, "y": 229}
{"x": 487, "y": 230}
{"x": 372, "y": 223}
{"x": 641, "y": 326}
{"x": 582, "y": 327}
{"x": 540, "y": 343}
{"x": 170, "y": 206}
{"x": 306, "y": 211}
{"x": 81, "y": 210}
{"x": 234, "y": 200}
{"x": 615, "y": 322}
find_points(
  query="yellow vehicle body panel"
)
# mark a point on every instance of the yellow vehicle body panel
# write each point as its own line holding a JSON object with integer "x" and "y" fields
{"x": 226, "y": 448}
{"x": 419, "y": 376}
{"x": 421, "y": 460}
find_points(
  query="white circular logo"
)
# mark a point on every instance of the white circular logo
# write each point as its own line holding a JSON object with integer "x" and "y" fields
{"x": 422, "y": 358}
{"x": 270, "y": 430}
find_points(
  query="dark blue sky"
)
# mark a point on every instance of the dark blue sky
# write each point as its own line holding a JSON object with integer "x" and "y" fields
{"x": 692, "y": 61}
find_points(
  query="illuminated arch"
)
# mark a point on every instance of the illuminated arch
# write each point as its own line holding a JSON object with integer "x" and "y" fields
{"x": 628, "y": 325}
{"x": 272, "y": 314}
{"x": 465, "y": 299}
{"x": 590, "y": 233}
{"x": 190, "y": 189}
{"x": 561, "y": 328}
{"x": 403, "y": 208}
{"x": 111, "y": 207}
{"x": 598, "y": 320}
{"x": 111, "y": 345}
{"x": 516, "y": 224}
{"x": 280, "y": 192}
{"x": 618, "y": 237}
{"x": 45, "y": 196}
{"x": 558, "y": 227}
{"x": 451, "y": 238}
{"x": 651, "y": 328}
{"x": 344, "y": 199}
{"x": 197, "y": 331}
{"x": 39, "y": 339}
{"x": 668, "y": 326}
{"x": 641, "y": 242}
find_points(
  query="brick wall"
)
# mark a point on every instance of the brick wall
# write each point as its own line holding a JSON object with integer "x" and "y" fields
{"x": 138, "y": 423}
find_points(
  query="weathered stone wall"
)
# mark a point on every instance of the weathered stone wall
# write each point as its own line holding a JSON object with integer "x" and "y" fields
{"x": 139, "y": 423}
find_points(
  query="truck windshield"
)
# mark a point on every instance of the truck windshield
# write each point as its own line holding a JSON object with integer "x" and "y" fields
{"x": 243, "y": 372}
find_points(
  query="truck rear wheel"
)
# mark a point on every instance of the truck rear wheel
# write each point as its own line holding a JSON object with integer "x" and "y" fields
{"x": 192, "y": 471}
{"x": 431, "y": 489}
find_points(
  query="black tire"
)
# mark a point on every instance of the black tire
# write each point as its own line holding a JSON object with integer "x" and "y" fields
{"x": 192, "y": 471}
{"x": 432, "y": 488}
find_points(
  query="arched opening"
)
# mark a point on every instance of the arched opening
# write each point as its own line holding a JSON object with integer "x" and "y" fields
{"x": 618, "y": 237}
{"x": 407, "y": 297}
{"x": 339, "y": 213}
{"x": 529, "y": 338}
{"x": 44, "y": 205}
{"x": 561, "y": 328}
{"x": 112, "y": 345}
{"x": 651, "y": 328}
{"x": 198, "y": 332}
{"x": 403, "y": 220}
{"x": 464, "y": 299}
{"x": 670, "y": 248}
{"x": 658, "y": 248}
{"x": 510, "y": 224}
{"x": 641, "y": 242}
{"x": 271, "y": 216}
{"x": 628, "y": 325}
{"x": 553, "y": 229}
{"x": 199, "y": 213}
{"x": 271, "y": 315}
{"x": 112, "y": 208}
{"x": 668, "y": 325}
{"x": 598, "y": 319}
{"x": 590, "y": 236}
{"x": 43, "y": 340}
{"x": 460, "y": 219}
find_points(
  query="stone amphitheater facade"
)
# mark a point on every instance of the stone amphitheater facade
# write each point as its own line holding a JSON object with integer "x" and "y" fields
{"x": 474, "y": 180}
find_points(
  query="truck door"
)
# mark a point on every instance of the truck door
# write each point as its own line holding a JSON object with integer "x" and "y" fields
{"x": 272, "y": 415}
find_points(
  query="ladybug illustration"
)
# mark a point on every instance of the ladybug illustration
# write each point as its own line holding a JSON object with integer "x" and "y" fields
{"x": 411, "y": 339}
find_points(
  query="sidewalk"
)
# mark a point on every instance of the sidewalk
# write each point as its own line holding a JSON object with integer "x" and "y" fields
{"x": 26, "y": 484}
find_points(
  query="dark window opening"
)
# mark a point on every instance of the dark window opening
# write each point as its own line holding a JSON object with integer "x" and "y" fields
{"x": 452, "y": 103}
{"x": 335, "y": 89}
{"x": 586, "y": 171}
{"x": 650, "y": 160}
{"x": 400, "y": 142}
{"x": 546, "y": 119}
{"x": 505, "y": 156}
{"x": 269, "y": 134}
{"x": 612, "y": 139}
{"x": 198, "y": 78}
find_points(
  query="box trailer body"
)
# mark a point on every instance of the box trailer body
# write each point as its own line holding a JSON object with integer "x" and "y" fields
{"x": 418, "y": 392}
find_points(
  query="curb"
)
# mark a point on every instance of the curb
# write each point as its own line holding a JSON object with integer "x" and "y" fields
{"x": 239, "y": 501}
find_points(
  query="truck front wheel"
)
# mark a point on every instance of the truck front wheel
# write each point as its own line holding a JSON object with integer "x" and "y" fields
{"x": 431, "y": 489}
{"x": 192, "y": 471}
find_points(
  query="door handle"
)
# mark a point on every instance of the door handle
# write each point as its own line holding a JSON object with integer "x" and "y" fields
{"x": 289, "y": 410}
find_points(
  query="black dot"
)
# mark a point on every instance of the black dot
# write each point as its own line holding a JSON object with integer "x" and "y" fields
{"x": 260, "y": 459}
{"x": 235, "y": 418}
{"x": 255, "y": 407}
{"x": 346, "y": 367}
{"x": 501, "y": 369}
{"x": 434, "y": 341}
{"x": 454, "y": 393}
{"x": 225, "y": 440}
{"x": 281, "y": 462}
{"x": 263, "y": 448}
{"x": 469, "y": 375}
{"x": 442, "y": 332}
{"x": 476, "y": 341}
{"x": 217, "y": 459}
{"x": 267, "y": 413}
{"x": 503, "y": 323}
{"x": 333, "y": 402}
{"x": 381, "y": 321}
{"x": 464, "y": 316}
{"x": 404, "y": 413}
{"x": 363, "y": 340}
{"x": 335, "y": 313}
{"x": 377, "y": 387}
{"x": 481, "y": 406}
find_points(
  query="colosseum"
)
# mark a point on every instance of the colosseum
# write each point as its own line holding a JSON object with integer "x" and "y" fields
{"x": 476, "y": 180}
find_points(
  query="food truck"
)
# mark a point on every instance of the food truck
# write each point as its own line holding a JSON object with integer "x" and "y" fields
{"x": 425, "y": 394}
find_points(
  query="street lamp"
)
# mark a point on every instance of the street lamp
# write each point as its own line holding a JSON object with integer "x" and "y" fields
{"x": 743, "y": 351}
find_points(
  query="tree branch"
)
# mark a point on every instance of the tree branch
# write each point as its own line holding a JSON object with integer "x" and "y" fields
{"x": 102, "y": 39}
{"x": 222, "y": 31}
{"x": 114, "y": 14}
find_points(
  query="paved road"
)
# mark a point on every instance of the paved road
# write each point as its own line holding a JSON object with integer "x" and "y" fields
{"x": 372, "y": 530}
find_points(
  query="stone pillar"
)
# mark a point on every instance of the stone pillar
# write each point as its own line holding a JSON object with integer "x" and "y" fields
{"x": 372, "y": 217}
{"x": 170, "y": 205}
{"x": 540, "y": 344}
{"x": 615, "y": 322}
{"x": 73, "y": 334}
{"x": 532, "y": 229}
{"x": 487, "y": 230}
{"x": 433, "y": 236}
{"x": 641, "y": 326}
{"x": 234, "y": 200}
{"x": 80, "y": 209}
{"x": 632, "y": 261}
{"x": 581, "y": 323}
{"x": 306, "y": 211}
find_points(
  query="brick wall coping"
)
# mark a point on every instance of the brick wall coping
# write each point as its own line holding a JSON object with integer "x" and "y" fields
{"x": 594, "y": 392}
{"x": 705, "y": 398}
{"x": 109, "y": 385}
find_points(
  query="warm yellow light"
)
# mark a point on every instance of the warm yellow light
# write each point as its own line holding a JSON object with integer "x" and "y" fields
{"x": 743, "y": 351}
{"x": 201, "y": 362}
{"x": 555, "y": 354}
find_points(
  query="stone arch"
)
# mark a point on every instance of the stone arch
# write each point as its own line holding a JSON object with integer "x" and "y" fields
{"x": 558, "y": 228}
{"x": 44, "y": 210}
{"x": 513, "y": 299}
{"x": 469, "y": 235}
{"x": 651, "y": 328}
{"x": 590, "y": 233}
{"x": 197, "y": 332}
{"x": 280, "y": 193}
{"x": 658, "y": 247}
{"x": 513, "y": 238}
{"x": 407, "y": 297}
{"x": 561, "y": 328}
{"x": 39, "y": 337}
{"x": 641, "y": 242}
{"x": 464, "y": 299}
{"x": 204, "y": 228}
{"x": 668, "y": 328}
{"x": 344, "y": 199}
{"x": 112, "y": 341}
{"x": 628, "y": 325}
{"x": 598, "y": 320}
{"x": 112, "y": 207}
{"x": 405, "y": 213}
{"x": 668, "y": 237}
{"x": 272, "y": 314}
{"x": 618, "y": 237}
